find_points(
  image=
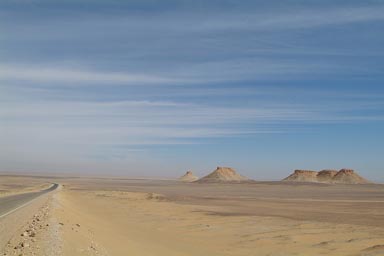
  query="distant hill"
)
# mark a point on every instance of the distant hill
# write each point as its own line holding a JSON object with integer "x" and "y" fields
{"x": 302, "y": 176}
{"x": 223, "y": 174}
{"x": 344, "y": 176}
{"x": 326, "y": 176}
{"x": 347, "y": 176}
{"x": 188, "y": 177}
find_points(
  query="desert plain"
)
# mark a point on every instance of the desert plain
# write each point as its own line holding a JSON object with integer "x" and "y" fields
{"x": 122, "y": 216}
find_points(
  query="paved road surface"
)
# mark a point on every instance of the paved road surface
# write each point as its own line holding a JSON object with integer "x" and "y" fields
{"x": 9, "y": 204}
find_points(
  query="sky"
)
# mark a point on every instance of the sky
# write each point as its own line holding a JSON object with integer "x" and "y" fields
{"x": 155, "y": 88}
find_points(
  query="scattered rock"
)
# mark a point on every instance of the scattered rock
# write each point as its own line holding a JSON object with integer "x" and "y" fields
{"x": 28, "y": 243}
{"x": 24, "y": 244}
{"x": 325, "y": 243}
{"x": 156, "y": 197}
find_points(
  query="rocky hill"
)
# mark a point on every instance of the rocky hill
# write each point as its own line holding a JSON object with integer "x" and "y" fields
{"x": 188, "y": 177}
{"x": 326, "y": 176}
{"x": 344, "y": 176}
{"x": 223, "y": 174}
{"x": 347, "y": 176}
{"x": 302, "y": 176}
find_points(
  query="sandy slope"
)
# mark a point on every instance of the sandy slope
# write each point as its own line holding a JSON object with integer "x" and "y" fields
{"x": 10, "y": 185}
{"x": 131, "y": 223}
{"x": 26, "y": 231}
{"x": 143, "y": 217}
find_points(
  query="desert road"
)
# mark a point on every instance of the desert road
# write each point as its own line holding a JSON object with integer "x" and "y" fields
{"x": 10, "y": 204}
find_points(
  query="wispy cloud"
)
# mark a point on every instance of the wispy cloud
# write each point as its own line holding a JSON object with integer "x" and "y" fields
{"x": 213, "y": 20}
{"x": 119, "y": 80}
{"x": 300, "y": 18}
{"x": 193, "y": 73}
{"x": 63, "y": 75}
{"x": 86, "y": 132}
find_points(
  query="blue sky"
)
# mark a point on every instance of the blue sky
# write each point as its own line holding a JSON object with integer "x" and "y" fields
{"x": 153, "y": 88}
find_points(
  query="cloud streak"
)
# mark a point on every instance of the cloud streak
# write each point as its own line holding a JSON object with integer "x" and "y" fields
{"x": 304, "y": 18}
{"x": 63, "y": 75}
{"x": 188, "y": 74}
{"x": 126, "y": 81}
{"x": 213, "y": 20}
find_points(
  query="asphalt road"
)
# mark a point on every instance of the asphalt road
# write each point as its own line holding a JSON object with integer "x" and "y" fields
{"x": 9, "y": 204}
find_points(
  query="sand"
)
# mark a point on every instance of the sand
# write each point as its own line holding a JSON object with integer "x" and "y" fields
{"x": 147, "y": 217}
{"x": 141, "y": 226}
{"x": 10, "y": 185}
